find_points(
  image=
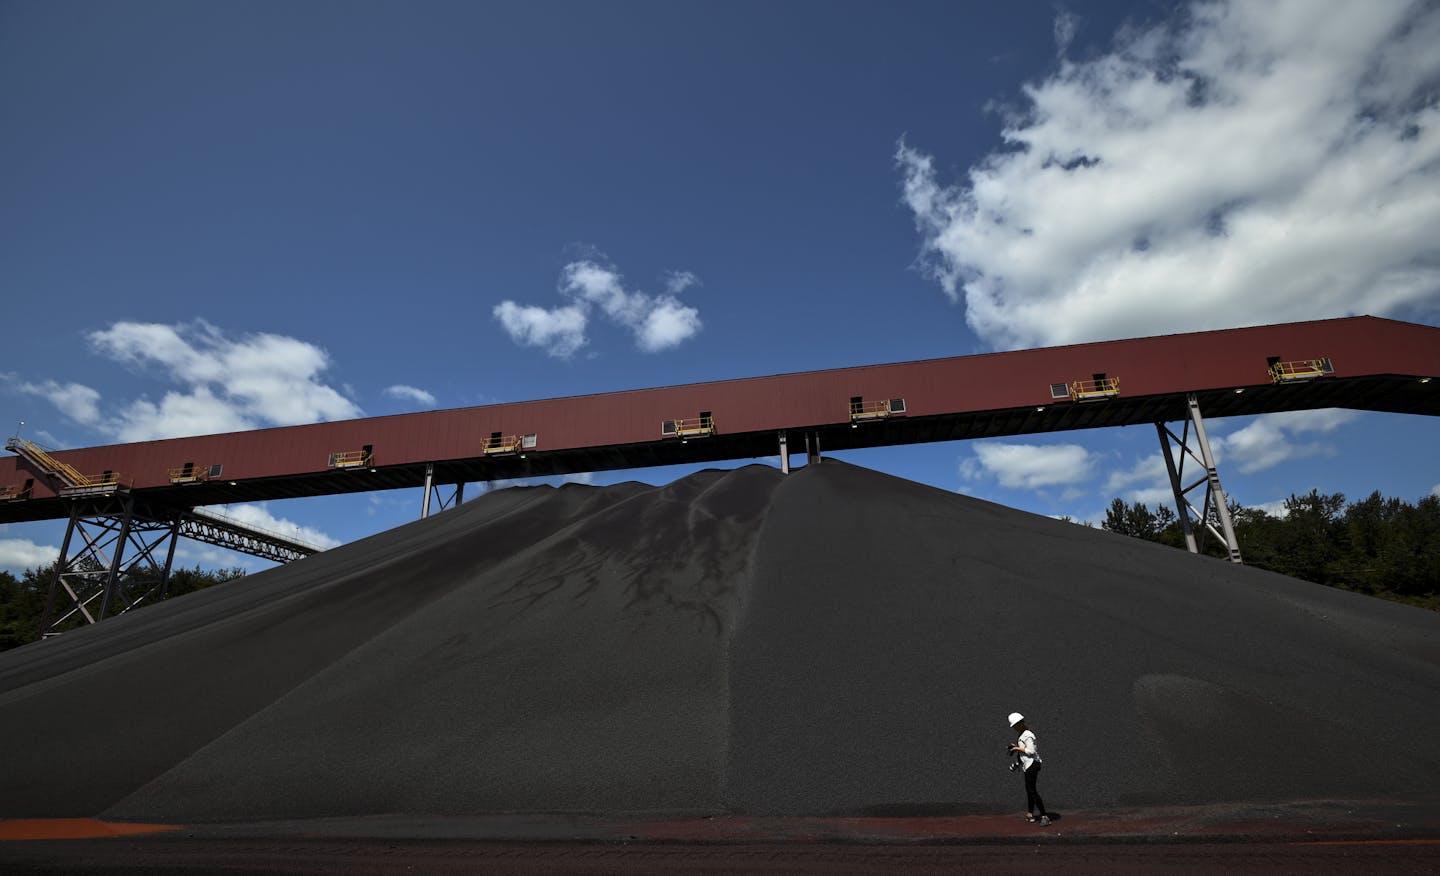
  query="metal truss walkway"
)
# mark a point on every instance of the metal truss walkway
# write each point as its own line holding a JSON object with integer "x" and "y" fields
{"x": 219, "y": 530}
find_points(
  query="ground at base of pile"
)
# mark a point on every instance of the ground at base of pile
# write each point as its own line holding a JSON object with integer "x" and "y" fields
{"x": 836, "y": 640}
{"x": 1317, "y": 821}
{"x": 1319, "y": 837}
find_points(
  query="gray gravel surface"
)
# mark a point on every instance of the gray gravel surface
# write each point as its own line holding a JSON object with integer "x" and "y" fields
{"x": 832, "y": 641}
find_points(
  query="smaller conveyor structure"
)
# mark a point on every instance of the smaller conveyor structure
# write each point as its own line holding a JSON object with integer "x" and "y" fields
{"x": 118, "y": 552}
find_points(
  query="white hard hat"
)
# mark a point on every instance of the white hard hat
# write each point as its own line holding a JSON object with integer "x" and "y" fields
{"x": 1016, "y": 718}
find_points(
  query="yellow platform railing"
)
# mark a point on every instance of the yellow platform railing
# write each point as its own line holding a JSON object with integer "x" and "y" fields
{"x": 502, "y": 444}
{"x": 870, "y": 410}
{"x": 74, "y": 481}
{"x": 1091, "y": 390}
{"x": 40, "y": 457}
{"x": 190, "y": 474}
{"x": 1300, "y": 369}
{"x": 100, "y": 483}
{"x": 688, "y": 427}
{"x": 350, "y": 458}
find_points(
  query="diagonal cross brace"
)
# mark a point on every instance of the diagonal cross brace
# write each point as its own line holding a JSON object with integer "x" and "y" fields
{"x": 1213, "y": 515}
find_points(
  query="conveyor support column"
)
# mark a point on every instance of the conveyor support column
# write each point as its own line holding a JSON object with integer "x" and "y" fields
{"x": 431, "y": 488}
{"x": 1214, "y": 510}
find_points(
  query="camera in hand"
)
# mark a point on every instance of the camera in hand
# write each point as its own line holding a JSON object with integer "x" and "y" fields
{"x": 1014, "y": 757}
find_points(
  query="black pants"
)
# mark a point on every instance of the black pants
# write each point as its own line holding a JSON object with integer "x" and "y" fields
{"x": 1033, "y": 804}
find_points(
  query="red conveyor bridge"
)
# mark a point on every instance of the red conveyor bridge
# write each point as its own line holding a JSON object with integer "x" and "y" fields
{"x": 1363, "y": 362}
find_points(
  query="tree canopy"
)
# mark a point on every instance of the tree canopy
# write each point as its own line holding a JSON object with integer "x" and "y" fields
{"x": 22, "y": 600}
{"x": 1381, "y": 546}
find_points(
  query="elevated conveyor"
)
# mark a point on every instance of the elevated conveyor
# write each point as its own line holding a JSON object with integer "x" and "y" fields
{"x": 1368, "y": 364}
{"x": 1362, "y": 363}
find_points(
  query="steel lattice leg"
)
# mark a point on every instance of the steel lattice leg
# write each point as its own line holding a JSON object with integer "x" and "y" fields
{"x": 1213, "y": 515}
{"x": 96, "y": 579}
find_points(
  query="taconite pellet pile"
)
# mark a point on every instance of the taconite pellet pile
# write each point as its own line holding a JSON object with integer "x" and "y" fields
{"x": 832, "y": 641}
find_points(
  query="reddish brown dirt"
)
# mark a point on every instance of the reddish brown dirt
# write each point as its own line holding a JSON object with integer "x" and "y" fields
{"x": 74, "y": 828}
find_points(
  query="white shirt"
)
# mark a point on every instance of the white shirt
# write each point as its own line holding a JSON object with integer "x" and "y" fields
{"x": 1031, "y": 754}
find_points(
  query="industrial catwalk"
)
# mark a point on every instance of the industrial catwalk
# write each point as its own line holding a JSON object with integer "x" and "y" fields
{"x": 835, "y": 642}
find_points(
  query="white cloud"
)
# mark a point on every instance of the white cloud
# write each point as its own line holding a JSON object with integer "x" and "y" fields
{"x": 1148, "y": 470}
{"x": 227, "y": 384}
{"x": 272, "y": 378}
{"x": 667, "y": 325}
{"x": 76, "y": 401}
{"x": 1245, "y": 163}
{"x": 276, "y": 379}
{"x": 1067, "y": 24}
{"x": 1274, "y": 509}
{"x": 1156, "y": 496}
{"x": 1435, "y": 491}
{"x": 208, "y": 556}
{"x": 1320, "y": 420}
{"x": 1266, "y": 441}
{"x": 678, "y": 281}
{"x": 1146, "y": 481}
{"x": 599, "y": 285}
{"x": 197, "y": 413}
{"x": 1275, "y": 438}
{"x": 560, "y": 331}
{"x": 1029, "y": 466}
{"x": 658, "y": 323}
{"x": 257, "y": 516}
{"x": 19, "y": 554}
{"x": 410, "y": 393}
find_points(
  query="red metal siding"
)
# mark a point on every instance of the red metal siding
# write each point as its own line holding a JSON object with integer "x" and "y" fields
{"x": 1146, "y": 366}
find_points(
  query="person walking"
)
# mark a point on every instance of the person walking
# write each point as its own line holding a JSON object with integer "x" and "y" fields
{"x": 1029, "y": 755}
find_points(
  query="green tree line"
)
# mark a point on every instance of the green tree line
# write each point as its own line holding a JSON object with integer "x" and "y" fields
{"x": 1380, "y": 546}
{"x": 22, "y": 600}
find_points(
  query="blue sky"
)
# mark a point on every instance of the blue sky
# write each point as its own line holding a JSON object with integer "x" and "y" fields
{"x": 228, "y": 216}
